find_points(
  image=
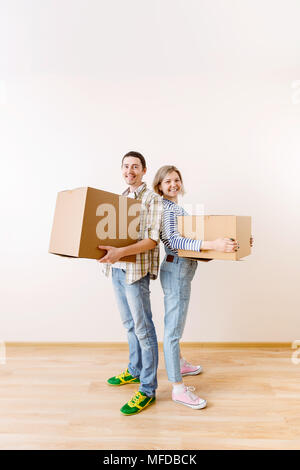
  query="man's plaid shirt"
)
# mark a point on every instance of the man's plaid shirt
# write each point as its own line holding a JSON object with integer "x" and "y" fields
{"x": 150, "y": 225}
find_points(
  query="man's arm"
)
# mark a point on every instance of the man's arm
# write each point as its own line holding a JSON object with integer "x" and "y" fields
{"x": 139, "y": 247}
{"x": 114, "y": 254}
{"x": 153, "y": 225}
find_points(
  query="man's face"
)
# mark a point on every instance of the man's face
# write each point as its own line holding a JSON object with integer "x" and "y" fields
{"x": 133, "y": 172}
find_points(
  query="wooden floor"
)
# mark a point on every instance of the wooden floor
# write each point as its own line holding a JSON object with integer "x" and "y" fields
{"x": 55, "y": 397}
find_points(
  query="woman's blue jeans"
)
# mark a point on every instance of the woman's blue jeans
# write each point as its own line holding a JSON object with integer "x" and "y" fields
{"x": 135, "y": 309}
{"x": 175, "y": 278}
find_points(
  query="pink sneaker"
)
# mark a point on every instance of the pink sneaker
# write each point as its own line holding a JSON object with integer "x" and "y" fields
{"x": 189, "y": 369}
{"x": 188, "y": 398}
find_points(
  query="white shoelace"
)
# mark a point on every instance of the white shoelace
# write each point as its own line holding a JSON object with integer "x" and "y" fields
{"x": 188, "y": 364}
{"x": 189, "y": 392}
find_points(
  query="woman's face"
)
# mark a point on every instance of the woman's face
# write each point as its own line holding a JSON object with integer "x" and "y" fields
{"x": 171, "y": 186}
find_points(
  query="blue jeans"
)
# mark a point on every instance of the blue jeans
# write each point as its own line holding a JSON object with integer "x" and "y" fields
{"x": 175, "y": 278}
{"x": 135, "y": 309}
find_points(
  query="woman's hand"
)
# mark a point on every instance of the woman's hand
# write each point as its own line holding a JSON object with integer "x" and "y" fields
{"x": 226, "y": 245}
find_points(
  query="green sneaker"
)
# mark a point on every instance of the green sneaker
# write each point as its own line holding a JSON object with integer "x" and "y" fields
{"x": 137, "y": 403}
{"x": 123, "y": 379}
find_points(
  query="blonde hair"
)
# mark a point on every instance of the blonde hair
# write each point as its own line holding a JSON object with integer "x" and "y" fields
{"x": 160, "y": 176}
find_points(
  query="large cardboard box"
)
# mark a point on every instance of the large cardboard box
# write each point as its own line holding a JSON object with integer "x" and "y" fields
{"x": 86, "y": 217}
{"x": 211, "y": 227}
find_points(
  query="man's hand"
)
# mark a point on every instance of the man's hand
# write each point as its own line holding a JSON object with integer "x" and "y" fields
{"x": 112, "y": 256}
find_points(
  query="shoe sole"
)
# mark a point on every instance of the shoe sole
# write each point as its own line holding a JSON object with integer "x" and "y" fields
{"x": 195, "y": 407}
{"x": 131, "y": 414}
{"x": 126, "y": 383}
{"x": 196, "y": 372}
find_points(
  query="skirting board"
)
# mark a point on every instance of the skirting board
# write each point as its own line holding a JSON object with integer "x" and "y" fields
{"x": 117, "y": 345}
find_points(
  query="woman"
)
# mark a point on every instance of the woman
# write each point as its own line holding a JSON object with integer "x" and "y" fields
{"x": 176, "y": 275}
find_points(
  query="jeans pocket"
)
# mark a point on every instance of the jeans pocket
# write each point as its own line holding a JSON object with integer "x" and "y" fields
{"x": 187, "y": 270}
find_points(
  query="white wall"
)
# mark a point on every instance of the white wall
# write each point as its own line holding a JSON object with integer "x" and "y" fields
{"x": 210, "y": 86}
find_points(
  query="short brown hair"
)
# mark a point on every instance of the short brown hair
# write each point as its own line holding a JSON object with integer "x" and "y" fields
{"x": 161, "y": 174}
{"x": 136, "y": 155}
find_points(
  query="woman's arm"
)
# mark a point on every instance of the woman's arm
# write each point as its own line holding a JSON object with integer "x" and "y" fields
{"x": 170, "y": 232}
{"x": 226, "y": 245}
{"x": 176, "y": 241}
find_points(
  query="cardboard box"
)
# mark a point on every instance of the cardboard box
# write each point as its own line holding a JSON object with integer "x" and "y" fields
{"x": 86, "y": 217}
{"x": 211, "y": 227}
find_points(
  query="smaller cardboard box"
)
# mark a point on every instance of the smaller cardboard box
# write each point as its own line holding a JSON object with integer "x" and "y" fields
{"x": 211, "y": 227}
{"x": 86, "y": 217}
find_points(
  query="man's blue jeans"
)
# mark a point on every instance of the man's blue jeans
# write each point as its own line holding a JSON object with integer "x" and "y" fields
{"x": 135, "y": 309}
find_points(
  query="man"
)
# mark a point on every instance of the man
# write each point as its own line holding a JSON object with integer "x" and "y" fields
{"x": 131, "y": 285}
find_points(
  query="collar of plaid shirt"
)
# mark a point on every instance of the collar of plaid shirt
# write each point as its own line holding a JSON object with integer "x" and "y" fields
{"x": 138, "y": 192}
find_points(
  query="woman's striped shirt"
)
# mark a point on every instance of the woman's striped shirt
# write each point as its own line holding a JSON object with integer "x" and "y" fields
{"x": 169, "y": 229}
